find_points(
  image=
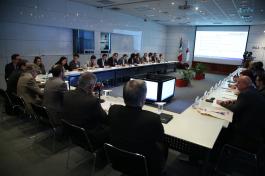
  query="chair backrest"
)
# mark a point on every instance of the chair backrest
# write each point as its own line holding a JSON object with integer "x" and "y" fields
{"x": 42, "y": 114}
{"x": 7, "y": 101}
{"x": 78, "y": 135}
{"x": 126, "y": 162}
{"x": 19, "y": 101}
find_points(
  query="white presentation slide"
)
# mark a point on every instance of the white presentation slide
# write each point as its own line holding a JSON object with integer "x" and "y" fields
{"x": 224, "y": 45}
{"x": 168, "y": 89}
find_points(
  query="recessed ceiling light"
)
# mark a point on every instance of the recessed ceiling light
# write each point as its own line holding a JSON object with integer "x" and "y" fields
{"x": 196, "y": 8}
{"x": 264, "y": 31}
{"x": 172, "y": 3}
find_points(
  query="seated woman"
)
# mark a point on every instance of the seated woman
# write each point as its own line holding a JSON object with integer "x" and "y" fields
{"x": 63, "y": 62}
{"x": 93, "y": 62}
{"x": 38, "y": 62}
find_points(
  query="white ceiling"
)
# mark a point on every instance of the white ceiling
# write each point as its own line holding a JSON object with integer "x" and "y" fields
{"x": 201, "y": 12}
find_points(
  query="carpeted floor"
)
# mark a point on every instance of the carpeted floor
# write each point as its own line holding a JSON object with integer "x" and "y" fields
{"x": 25, "y": 150}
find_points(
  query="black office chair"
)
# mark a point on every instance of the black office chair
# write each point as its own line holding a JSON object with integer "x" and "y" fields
{"x": 21, "y": 108}
{"x": 79, "y": 137}
{"x": 7, "y": 102}
{"x": 41, "y": 114}
{"x": 235, "y": 159}
{"x": 126, "y": 162}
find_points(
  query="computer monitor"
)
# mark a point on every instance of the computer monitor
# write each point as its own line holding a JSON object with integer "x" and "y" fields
{"x": 152, "y": 88}
{"x": 168, "y": 89}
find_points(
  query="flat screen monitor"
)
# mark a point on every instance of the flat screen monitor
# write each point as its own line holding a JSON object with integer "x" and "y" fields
{"x": 152, "y": 88}
{"x": 168, "y": 89}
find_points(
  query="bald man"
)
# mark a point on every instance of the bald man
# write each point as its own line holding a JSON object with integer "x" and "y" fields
{"x": 248, "y": 109}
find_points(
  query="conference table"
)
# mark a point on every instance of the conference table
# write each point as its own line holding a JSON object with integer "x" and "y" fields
{"x": 120, "y": 72}
{"x": 194, "y": 132}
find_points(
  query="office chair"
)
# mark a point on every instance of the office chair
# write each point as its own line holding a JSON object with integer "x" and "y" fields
{"x": 126, "y": 162}
{"x": 79, "y": 137}
{"x": 21, "y": 108}
{"x": 41, "y": 114}
{"x": 235, "y": 159}
{"x": 7, "y": 102}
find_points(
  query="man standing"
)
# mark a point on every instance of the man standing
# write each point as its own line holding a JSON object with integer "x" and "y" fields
{"x": 9, "y": 68}
{"x": 137, "y": 130}
{"x": 83, "y": 109}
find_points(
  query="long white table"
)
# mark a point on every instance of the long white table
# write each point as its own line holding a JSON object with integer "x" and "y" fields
{"x": 191, "y": 126}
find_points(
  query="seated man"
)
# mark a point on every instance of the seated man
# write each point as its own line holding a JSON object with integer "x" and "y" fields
{"x": 260, "y": 82}
{"x": 27, "y": 87}
{"x": 74, "y": 64}
{"x": 102, "y": 62}
{"x": 83, "y": 109}
{"x": 137, "y": 130}
{"x": 113, "y": 60}
{"x": 248, "y": 109}
{"x": 54, "y": 91}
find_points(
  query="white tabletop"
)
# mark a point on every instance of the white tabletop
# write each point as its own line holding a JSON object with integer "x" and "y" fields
{"x": 191, "y": 125}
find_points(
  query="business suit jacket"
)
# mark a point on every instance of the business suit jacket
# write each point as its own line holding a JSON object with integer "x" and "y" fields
{"x": 100, "y": 63}
{"x": 140, "y": 131}
{"x": 28, "y": 89}
{"x": 262, "y": 91}
{"x": 84, "y": 110}
{"x": 112, "y": 62}
{"x": 249, "y": 113}
{"x": 9, "y": 68}
{"x": 11, "y": 84}
{"x": 53, "y": 98}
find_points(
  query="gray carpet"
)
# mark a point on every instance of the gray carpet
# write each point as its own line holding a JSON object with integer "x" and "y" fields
{"x": 27, "y": 151}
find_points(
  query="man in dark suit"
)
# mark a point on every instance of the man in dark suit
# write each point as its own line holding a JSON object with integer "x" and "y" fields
{"x": 248, "y": 109}
{"x": 11, "y": 85}
{"x": 54, "y": 91}
{"x": 137, "y": 130}
{"x": 113, "y": 61}
{"x": 260, "y": 83}
{"x": 83, "y": 109}
{"x": 9, "y": 68}
{"x": 74, "y": 64}
{"x": 102, "y": 62}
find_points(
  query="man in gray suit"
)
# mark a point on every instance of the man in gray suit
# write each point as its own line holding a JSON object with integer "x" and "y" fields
{"x": 27, "y": 87}
{"x": 54, "y": 91}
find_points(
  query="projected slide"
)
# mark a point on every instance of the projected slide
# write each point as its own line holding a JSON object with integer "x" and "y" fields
{"x": 220, "y": 46}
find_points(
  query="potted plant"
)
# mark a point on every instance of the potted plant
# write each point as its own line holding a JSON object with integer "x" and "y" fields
{"x": 199, "y": 71}
{"x": 183, "y": 78}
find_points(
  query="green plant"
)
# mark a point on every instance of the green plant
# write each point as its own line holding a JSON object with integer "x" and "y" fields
{"x": 200, "y": 68}
{"x": 186, "y": 74}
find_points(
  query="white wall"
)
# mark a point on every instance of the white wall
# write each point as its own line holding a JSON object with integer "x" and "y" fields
{"x": 256, "y": 42}
{"x": 34, "y": 27}
{"x": 174, "y": 34}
